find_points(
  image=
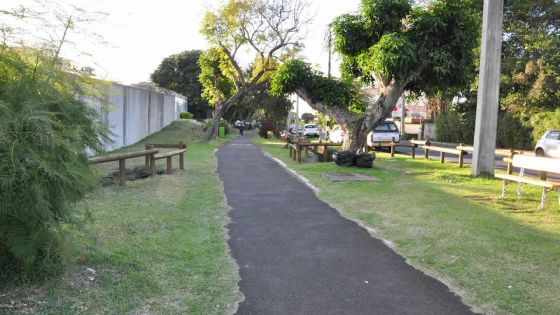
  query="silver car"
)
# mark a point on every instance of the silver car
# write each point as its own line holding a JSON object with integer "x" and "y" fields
{"x": 549, "y": 144}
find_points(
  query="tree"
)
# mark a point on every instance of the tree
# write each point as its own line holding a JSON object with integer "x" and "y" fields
{"x": 45, "y": 134}
{"x": 179, "y": 73}
{"x": 531, "y": 63}
{"x": 307, "y": 117}
{"x": 425, "y": 49}
{"x": 266, "y": 28}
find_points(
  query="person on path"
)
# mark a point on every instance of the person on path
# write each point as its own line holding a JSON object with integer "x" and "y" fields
{"x": 241, "y": 128}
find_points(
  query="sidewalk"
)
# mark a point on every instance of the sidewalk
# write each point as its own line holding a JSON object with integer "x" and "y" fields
{"x": 297, "y": 255}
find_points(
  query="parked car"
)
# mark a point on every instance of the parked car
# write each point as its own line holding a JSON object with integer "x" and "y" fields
{"x": 384, "y": 133}
{"x": 336, "y": 135}
{"x": 310, "y": 130}
{"x": 549, "y": 144}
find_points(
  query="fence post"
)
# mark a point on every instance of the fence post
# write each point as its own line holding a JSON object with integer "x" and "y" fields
{"x": 393, "y": 147}
{"x": 441, "y": 157}
{"x": 182, "y": 155}
{"x": 510, "y": 165}
{"x": 152, "y": 164}
{"x": 413, "y": 151}
{"x": 147, "y": 158}
{"x": 461, "y": 157}
{"x": 122, "y": 172}
{"x": 169, "y": 165}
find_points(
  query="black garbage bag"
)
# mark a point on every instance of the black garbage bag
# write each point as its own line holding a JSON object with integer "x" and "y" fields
{"x": 344, "y": 158}
{"x": 364, "y": 160}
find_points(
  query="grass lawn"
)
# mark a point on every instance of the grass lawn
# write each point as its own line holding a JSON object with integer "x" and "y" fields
{"x": 501, "y": 256}
{"x": 158, "y": 245}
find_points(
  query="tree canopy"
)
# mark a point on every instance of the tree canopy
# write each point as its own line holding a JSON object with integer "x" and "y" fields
{"x": 179, "y": 73}
{"x": 394, "y": 46}
{"x": 267, "y": 29}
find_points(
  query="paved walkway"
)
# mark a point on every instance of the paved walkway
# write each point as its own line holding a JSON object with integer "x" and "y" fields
{"x": 297, "y": 255}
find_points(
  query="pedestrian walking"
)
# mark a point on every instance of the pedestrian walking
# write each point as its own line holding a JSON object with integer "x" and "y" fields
{"x": 241, "y": 128}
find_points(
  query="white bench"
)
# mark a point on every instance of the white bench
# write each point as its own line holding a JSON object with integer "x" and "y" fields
{"x": 539, "y": 164}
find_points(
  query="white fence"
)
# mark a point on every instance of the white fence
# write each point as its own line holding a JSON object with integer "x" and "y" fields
{"x": 133, "y": 113}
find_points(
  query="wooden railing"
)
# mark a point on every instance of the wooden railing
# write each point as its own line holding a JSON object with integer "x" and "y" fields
{"x": 169, "y": 155}
{"x": 149, "y": 154}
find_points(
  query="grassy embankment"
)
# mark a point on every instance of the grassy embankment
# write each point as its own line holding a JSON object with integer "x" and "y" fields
{"x": 501, "y": 255}
{"x": 158, "y": 245}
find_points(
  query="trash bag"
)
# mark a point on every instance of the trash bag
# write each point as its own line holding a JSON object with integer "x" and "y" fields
{"x": 344, "y": 158}
{"x": 364, "y": 160}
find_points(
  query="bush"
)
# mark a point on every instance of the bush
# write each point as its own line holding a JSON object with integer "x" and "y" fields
{"x": 44, "y": 135}
{"x": 222, "y": 123}
{"x": 544, "y": 121}
{"x": 267, "y": 125}
{"x": 185, "y": 115}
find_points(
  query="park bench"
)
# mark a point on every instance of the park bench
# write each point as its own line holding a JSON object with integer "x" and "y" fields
{"x": 539, "y": 164}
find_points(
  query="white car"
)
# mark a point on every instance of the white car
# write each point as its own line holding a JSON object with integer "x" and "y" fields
{"x": 384, "y": 133}
{"x": 310, "y": 130}
{"x": 336, "y": 135}
{"x": 549, "y": 144}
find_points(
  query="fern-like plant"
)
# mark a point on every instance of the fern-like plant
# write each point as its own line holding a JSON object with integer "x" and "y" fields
{"x": 45, "y": 132}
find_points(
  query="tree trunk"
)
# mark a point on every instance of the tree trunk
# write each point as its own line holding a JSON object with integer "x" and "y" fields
{"x": 357, "y": 126}
{"x": 219, "y": 111}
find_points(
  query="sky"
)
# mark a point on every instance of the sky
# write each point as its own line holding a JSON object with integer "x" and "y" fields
{"x": 139, "y": 34}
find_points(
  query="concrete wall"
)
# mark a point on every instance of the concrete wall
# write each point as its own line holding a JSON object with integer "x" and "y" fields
{"x": 133, "y": 113}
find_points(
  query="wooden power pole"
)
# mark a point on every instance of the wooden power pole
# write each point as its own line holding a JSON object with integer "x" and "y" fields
{"x": 488, "y": 88}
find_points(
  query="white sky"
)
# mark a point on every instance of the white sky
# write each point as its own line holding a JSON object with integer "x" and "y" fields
{"x": 141, "y": 33}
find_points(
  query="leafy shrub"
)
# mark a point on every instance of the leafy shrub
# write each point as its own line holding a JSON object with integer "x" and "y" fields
{"x": 266, "y": 126}
{"x": 185, "y": 115}
{"x": 544, "y": 121}
{"x": 222, "y": 123}
{"x": 455, "y": 127}
{"x": 45, "y": 132}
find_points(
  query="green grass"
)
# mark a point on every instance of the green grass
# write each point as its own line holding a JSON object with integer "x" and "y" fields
{"x": 158, "y": 245}
{"x": 500, "y": 255}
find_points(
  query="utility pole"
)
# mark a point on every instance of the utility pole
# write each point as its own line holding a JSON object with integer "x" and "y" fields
{"x": 488, "y": 89}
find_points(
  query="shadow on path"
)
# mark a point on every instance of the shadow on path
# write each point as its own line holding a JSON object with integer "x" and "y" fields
{"x": 297, "y": 255}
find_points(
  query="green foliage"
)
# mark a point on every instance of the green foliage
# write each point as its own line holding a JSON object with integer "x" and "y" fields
{"x": 45, "y": 132}
{"x": 267, "y": 126}
{"x": 186, "y": 115}
{"x": 307, "y": 117}
{"x": 222, "y": 123}
{"x": 456, "y": 127}
{"x": 429, "y": 49}
{"x": 296, "y": 73}
{"x": 544, "y": 121}
{"x": 530, "y": 79}
{"x": 216, "y": 76}
{"x": 179, "y": 73}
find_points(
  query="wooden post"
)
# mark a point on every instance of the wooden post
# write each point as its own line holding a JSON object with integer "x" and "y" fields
{"x": 441, "y": 157}
{"x": 290, "y": 148}
{"x": 299, "y": 155}
{"x": 543, "y": 175}
{"x": 295, "y": 154}
{"x": 426, "y": 151}
{"x": 510, "y": 165}
{"x": 147, "y": 158}
{"x": 122, "y": 172}
{"x": 393, "y": 146}
{"x": 182, "y": 160}
{"x": 169, "y": 165}
{"x": 306, "y": 151}
{"x": 325, "y": 153}
{"x": 461, "y": 158}
{"x": 414, "y": 151}
{"x": 153, "y": 164}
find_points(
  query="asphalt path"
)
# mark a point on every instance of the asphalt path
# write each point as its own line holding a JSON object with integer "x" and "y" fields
{"x": 298, "y": 255}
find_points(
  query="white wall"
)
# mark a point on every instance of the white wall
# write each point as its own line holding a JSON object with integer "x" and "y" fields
{"x": 133, "y": 113}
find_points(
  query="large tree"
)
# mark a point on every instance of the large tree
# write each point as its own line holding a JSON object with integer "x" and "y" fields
{"x": 397, "y": 47}
{"x": 267, "y": 29}
{"x": 179, "y": 73}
